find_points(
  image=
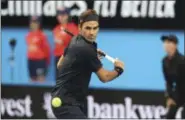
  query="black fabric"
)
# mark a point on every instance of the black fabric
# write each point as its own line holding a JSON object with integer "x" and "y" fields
{"x": 69, "y": 112}
{"x": 171, "y": 38}
{"x": 92, "y": 17}
{"x": 94, "y": 62}
{"x": 118, "y": 70}
{"x": 37, "y": 67}
{"x": 79, "y": 61}
{"x": 173, "y": 69}
{"x": 173, "y": 110}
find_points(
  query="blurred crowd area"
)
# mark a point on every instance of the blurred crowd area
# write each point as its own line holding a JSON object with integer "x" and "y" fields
{"x": 36, "y": 33}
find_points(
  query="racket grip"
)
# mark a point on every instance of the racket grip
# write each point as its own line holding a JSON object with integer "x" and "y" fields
{"x": 107, "y": 57}
{"x": 102, "y": 54}
{"x": 110, "y": 58}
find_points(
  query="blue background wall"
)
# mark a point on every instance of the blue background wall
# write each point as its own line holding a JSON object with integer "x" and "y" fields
{"x": 141, "y": 51}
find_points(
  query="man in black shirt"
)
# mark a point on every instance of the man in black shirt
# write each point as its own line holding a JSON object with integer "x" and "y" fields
{"x": 75, "y": 69}
{"x": 173, "y": 70}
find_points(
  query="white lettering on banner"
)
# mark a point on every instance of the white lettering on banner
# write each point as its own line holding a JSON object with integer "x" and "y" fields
{"x": 169, "y": 10}
{"x": 18, "y": 8}
{"x": 39, "y": 8}
{"x": 59, "y": 4}
{"x": 146, "y": 111}
{"x": 26, "y": 8}
{"x": 19, "y": 107}
{"x": 106, "y": 110}
{"x": 136, "y": 12}
{"x": 130, "y": 109}
{"x": 49, "y": 8}
{"x": 11, "y": 8}
{"x": 82, "y": 6}
{"x": 47, "y": 105}
{"x": 118, "y": 110}
{"x": 126, "y": 110}
{"x": 32, "y": 8}
{"x": 144, "y": 9}
{"x": 151, "y": 9}
{"x": 157, "y": 9}
{"x": 105, "y": 8}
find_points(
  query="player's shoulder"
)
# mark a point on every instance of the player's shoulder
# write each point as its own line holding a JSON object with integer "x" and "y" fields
{"x": 79, "y": 44}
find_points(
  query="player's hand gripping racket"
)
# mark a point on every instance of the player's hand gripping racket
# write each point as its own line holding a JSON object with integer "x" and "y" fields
{"x": 111, "y": 59}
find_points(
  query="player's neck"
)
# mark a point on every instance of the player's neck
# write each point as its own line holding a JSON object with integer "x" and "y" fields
{"x": 89, "y": 41}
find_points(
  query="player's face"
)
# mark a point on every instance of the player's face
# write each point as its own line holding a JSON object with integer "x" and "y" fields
{"x": 170, "y": 47}
{"x": 90, "y": 30}
{"x": 63, "y": 18}
{"x": 34, "y": 26}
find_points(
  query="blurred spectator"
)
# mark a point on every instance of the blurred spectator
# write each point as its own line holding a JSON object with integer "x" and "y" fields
{"x": 38, "y": 51}
{"x": 61, "y": 38}
{"x": 173, "y": 73}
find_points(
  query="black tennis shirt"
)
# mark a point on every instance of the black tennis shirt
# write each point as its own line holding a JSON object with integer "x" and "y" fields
{"x": 80, "y": 60}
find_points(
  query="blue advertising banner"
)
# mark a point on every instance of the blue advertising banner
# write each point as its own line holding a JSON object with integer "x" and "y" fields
{"x": 141, "y": 51}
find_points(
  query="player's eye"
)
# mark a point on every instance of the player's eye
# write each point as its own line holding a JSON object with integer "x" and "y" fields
{"x": 88, "y": 28}
{"x": 95, "y": 28}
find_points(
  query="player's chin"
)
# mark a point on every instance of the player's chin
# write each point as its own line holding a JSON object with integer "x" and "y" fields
{"x": 92, "y": 39}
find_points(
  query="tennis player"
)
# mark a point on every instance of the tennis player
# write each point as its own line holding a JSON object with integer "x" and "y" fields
{"x": 80, "y": 59}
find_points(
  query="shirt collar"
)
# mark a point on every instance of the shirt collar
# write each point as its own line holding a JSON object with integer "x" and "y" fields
{"x": 92, "y": 43}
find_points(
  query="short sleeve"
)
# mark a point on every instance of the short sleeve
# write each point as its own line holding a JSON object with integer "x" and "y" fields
{"x": 92, "y": 59}
{"x": 65, "y": 51}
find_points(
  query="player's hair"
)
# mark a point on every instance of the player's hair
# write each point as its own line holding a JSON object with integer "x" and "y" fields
{"x": 85, "y": 14}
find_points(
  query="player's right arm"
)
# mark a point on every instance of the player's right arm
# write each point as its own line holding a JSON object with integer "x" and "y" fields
{"x": 103, "y": 74}
{"x": 106, "y": 75}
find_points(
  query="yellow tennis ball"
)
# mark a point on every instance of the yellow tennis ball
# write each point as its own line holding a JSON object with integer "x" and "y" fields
{"x": 56, "y": 102}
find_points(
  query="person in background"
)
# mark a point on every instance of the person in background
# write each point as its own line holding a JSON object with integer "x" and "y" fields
{"x": 173, "y": 70}
{"x": 38, "y": 51}
{"x": 62, "y": 38}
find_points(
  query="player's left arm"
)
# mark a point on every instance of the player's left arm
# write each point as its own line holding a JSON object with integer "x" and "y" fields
{"x": 59, "y": 64}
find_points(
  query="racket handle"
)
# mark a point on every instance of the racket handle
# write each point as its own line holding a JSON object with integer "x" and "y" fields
{"x": 111, "y": 59}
